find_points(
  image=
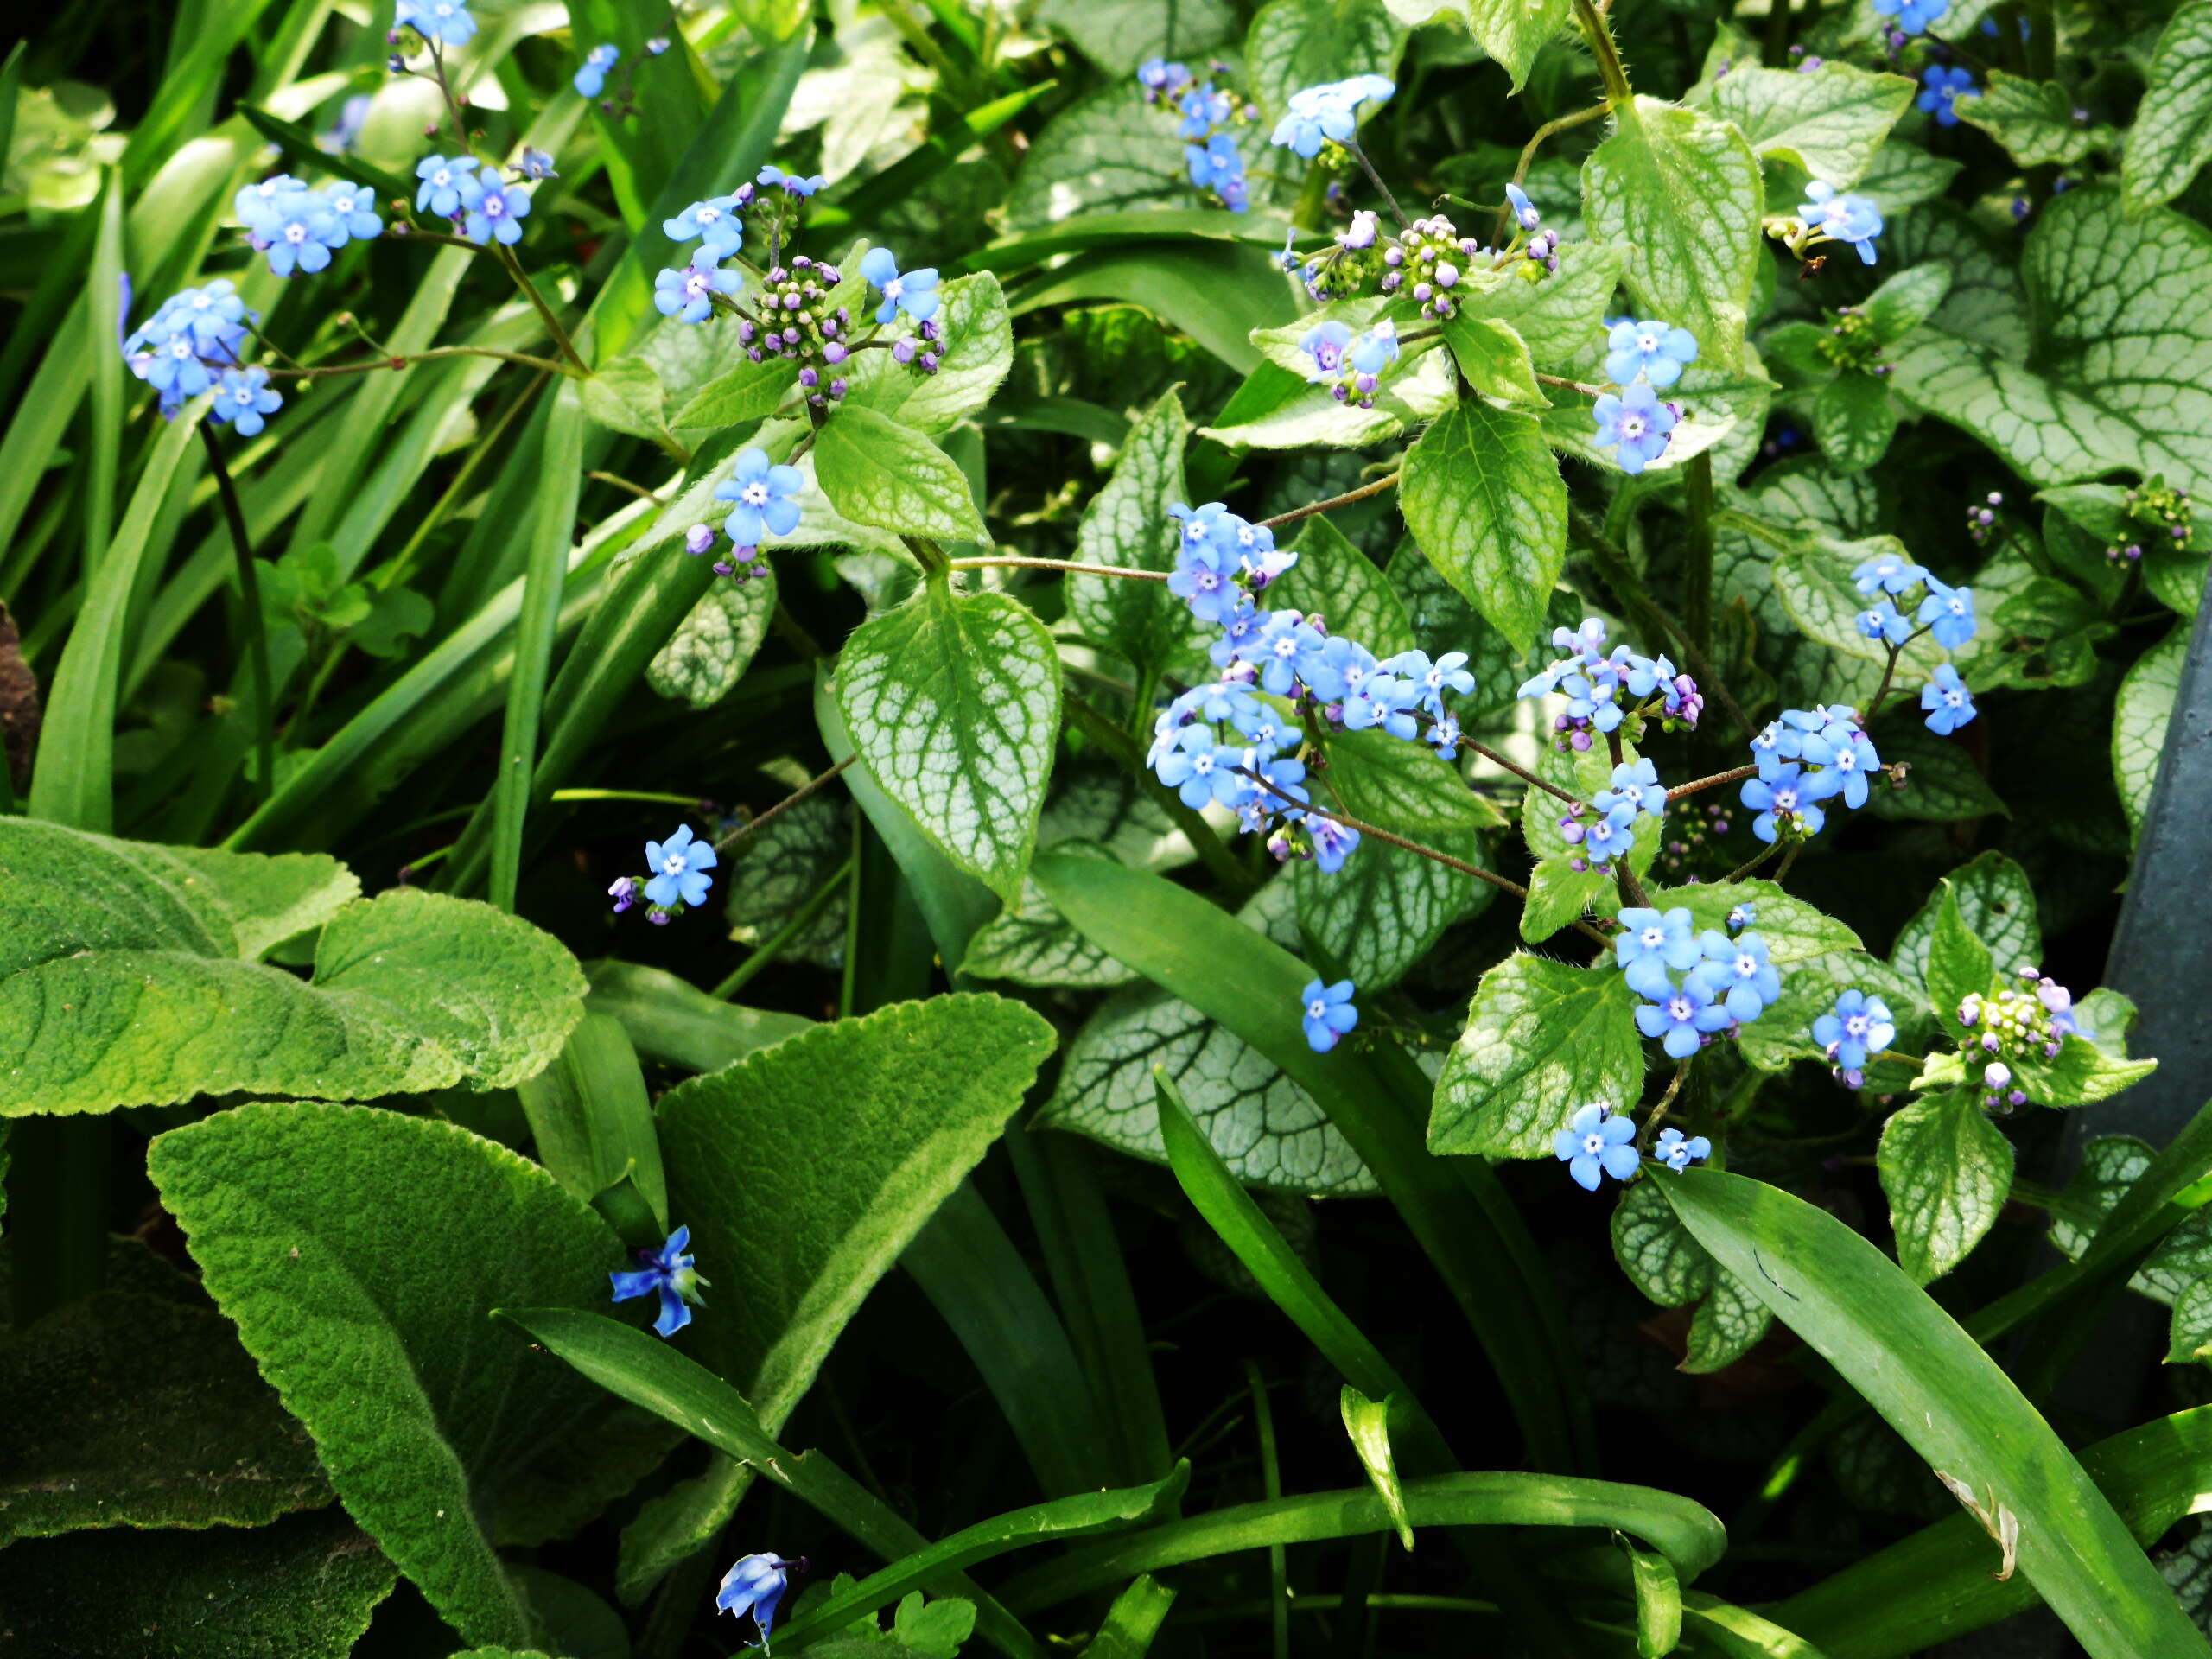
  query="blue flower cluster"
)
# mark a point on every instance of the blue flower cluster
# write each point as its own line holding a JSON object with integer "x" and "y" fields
{"x": 1208, "y": 117}
{"x": 1599, "y": 1141}
{"x": 1804, "y": 757}
{"x": 1829, "y": 216}
{"x": 1857, "y": 1027}
{"x": 1237, "y": 741}
{"x": 669, "y": 1273}
{"x": 299, "y": 228}
{"x": 1608, "y": 692}
{"x": 194, "y": 343}
{"x": 1634, "y": 793}
{"x": 1639, "y": 356}
{"x": 484, "y": 206}
{"x": 1350, "y": 365}
{"x": 1726, "y": 979}
{"x": 676, "y": 877}
{"x": 1938, "y": 609}
{"x": 1329, "y": 114}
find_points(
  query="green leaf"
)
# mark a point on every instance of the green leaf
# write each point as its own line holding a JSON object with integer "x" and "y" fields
{"x": 1368, "y": 1422}
{"x": 751, "y": 391}
{"x": 1729, "y": 1323}
{"x": 1298, "y": 43}
{"x": 1030, "y": 943}
{"x": 1815, "y": 586}
{"x": 2080, "y": 1074}
{"x": 1126, "y": 525}
{"x": 978, "y": 352}
{"x": 2034, "y": 120}
{"x": 1132, "y": 1622}
{"x": 1542, "y": 1038}
{"x": 2119, "y": 336}
{"x": 1402, "y": 787}
{"x": 1906, "y": 299}
{"x": 878, "y": 473}
{"x": 358, "y": 1252}
{"x": 1855, "y": 420}
{"x": 1511, "y": 31}
{"x": 1560, "y": 895}
{"x": 1380, "y": 913}
{"x": 672, "y": 1020}
{"x": 1561, "y": 319}
{"x": 1794, "y": 930}
{"x": 302, "y": 1589}
{"x": 1334, "y": 580}
{"x": 912, "y": 1097}
{"x": 1941, "y": 785}
{"x": 593, "y": 1124}
{"x": 1119, "y": 34}
{"x": 2144, "y": 710}
{"x": 2191, "y": 1333}
{"x": 1998, "y": 905}
{"x": 953, "y": 700}
{"x": 125, "y": 980}
{"x": 1494, "y": 359}
{"x": 1484, "y": 498}
{"x": 1672, "y": 1268}
{"x": 1947, "y": 1171}
{"x": 1107, "y": 154}
{"x": 1830, "y": 123}
{"x": 709, "y": 651}
{"x": 2171, "y": 138}
{"x": 1958, "y": 964}
{"x": 1782, "y": 1035}
{"x": 1684, "y": 190}
{"x": 1658, "y": 1600}
{"x": 1904, "y": 175}
{"x": 1286, "y": 413}
{"x": 1948, "y": 1398}
{"x": 626, "y": 396}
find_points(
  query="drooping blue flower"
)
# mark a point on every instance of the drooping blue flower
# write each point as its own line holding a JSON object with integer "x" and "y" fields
{"x": 1328, "y": 113}
{"x": 1524, "y": 211}
{"x": 688, "y": 295}
{"x": 1947, "y": 612}
{"x": 792, "y": 184}
{"x": 765, "y": 498}
{"x": 1948, "y": 703}
{"x": 1842, "y": 219}
{"x": 1333, "y": 842}
{"x": 1372, "y": 352}
{"x": 1682, "y": 1018}
{"x": 1677, "y": 1153}
{"x": 1941, "y": 88}
{"x": 913, "y": 292}
{"x": 1883, "y": 621}
{"x": 1204, "y": 108}
{"x": 754, "y": 1585}
{"x": 1892, "y": 573}
{"x": 591, "y": 74}
{"x": 1218, "y": 165}
{"x": 353, "y": 208}
{"x": 713, "y": 221}
{"x": 1785, "y": 801}
{"x": 495, "y": 211}
{"x": 242, "y": 398}
{"x": 679, "y": 867}
{"x": 1914, "y": 17}
{"x": 1634, "y": 425}
{"x": 443, "y": 178}
{"x": 1652, "y": 352}
{"x": 1596, "y": 1143}
{"x": 446, "y": 21}
{"x": 1737, "y": 973}
{"x": 1650, "y": 943}
{"x": 1329, "y": 1013}
{"x": 1859, "y": 1027}
{"x": 668, "y": 1273}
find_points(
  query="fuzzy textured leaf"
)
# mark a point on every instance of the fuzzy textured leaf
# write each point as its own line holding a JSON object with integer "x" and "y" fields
{"x": 1947, "y": 1170}
{"x": 2171, "y": 139}
{"x": 1484, "y": 498}
{"x": 1128, "y": 526}
{"x": 878, "y": 473}
{"x": 1830, "y": 122}
{"x": 1542, "y": 1038}
{"x": 712, "y": 647}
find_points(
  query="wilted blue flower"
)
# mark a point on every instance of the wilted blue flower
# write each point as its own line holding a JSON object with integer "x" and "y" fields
{"x": 1634, "y": 425}
{"x": 443, "y": 178}
{"x": 915, "y": 292}
{"x": 591, "y": 74}
{"x": 1947, "y": 612}
{"x": 713, "y": 221}
{"x": 1596, "y": 1143}
{"x": 1677, "y": 1153}
{"x": 446, "y": 21}
{"x": 688, "y": 295}
{"x": 1854, "y": 219}
{"x": 1524, "y": 211}
{"x": 1652, "y": 352}
{"x": 1651, "y": 943}
{"x": 1329, "y": 1013}
{"x": 242, "y": 398}
{"x": 1856, "y": 1027}
{"x": 1682, "y": 1018}
{"x": 754, "y": 1585}
{"x": 764, "y": 498}
{"x": 1948, "y": 703}
{"x": 496, "y": 211}
{"x": 1940, "y": 90}
{"x": 679, "y": 867}
{"x": 667, "y": 1273}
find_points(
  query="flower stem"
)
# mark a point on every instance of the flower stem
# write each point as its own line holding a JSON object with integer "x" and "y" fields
{"x": 1612, "y": 564}
{"x": 1659, "y": 1111}
{"x": 783, "y": 806}
{"x": 1386, "y": 481}
{"x": 1522, "y": 773}
{"x": 1582, "y": 387}
{"x": 1751, "y": 864}
{"x": 257, "y": 636}
{"x": 1734, "y": 774}
{"x": 317, "y": 370}
{"x": 560, "y": 336}
{"x": 1374, "y": 178}
{"x": 1550, "y": 130}
{"x": 639, "y": 490}
{"x": 1615, "y": 78}
{"x": 1071, "y": 566}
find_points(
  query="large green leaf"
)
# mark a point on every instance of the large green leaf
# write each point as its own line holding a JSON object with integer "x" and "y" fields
{"x": 2171, "y": 139}
{"x": 1543, "y": 1038}
{"x": 977, "y": 350}
{"x": 1295, "y": 44}
{"x": 1938, "y": 1389}
{"x": 2034, "y": 120}
{"x": 1829, "y": 122}
{"x": 673, "y": 1020}
{"x": 1998, "y": 907}
{"x": 1512, "y": 31}
{"x": 127, "y": 977}
{"x": 879, "y": 474}
{"x": 1108, "y": 153}
{"x": 2121, "y": 347}
{"x": 1380, "y": 913}
{"x": 911, "y": 1097}
{"x": 1663, "y": 1261}
{"x": 2140, "y": 718}
{"x": 1334, "y": 580}
{"x": 360, "y": 1252}
{"x": 1947, "y": 1171}
{"x": 1485, "y": 499}
{"x": 1684, "y": 190}
{"x": 710, "y": 650}
{"x": 953, "y": 700}
{"x": 1126, "y": 524}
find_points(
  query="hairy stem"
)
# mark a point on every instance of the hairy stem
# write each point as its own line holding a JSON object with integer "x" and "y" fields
{"x": 1719, "y": 780}
{"x": 257, "y": 636}
{"x": 784, "y": 805}
{"x": 1659, "y": 1111}
{"x": 1550, "y": 130}
{"x": 314, "y": 372}
{"x": 1386, "y": 481}
{"x": 559, "y": 335}
{"x": 1522, "y": 773}
{"x": 1610, "y": 71}
{"x": 1072, "y": 566}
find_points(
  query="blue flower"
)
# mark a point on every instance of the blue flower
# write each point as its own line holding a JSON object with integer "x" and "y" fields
{"x": 1635, "y": 424}
{"x": 1443, "y": 735}
{"x": 658, "y": 44}
{"x": 1683, "y": 1016}
{"x": 1284, "y": 791}
{"x": 446, "y": 21}
{"x": 1948, "y": 703}
{"x": 1595, "y": 1143}
{"x": 1333, "y": 842}
{"x": 1652, "y": 352}
{"x": 1329, "y": 1013}
{"x": 1678, "y": 1155}
{"x": 1433, "y": 679}
{"x": 1611, "y": 835}
{"x": 688, "y": 295}
{"x": 1158, "y": 75}
{"x": 1737, "y": 973}
{"x": 754, "y": 1585}
{"x": 297, "y": 231}
{"x": 1205, "y": 578}
{"x": 243, "y": 398}
{"x": 1385, "y": 701}
{"x": 443, "y": 177}
{"x": 591, "y": 74}
{"x": 1883, "y": 621}
{"x": 173, "y": 368}
{"x": 1219, "y": 165}
{"x": 914, "y": 292}
{"x": 1203, "y": 109}
{"x": 1590, "y": 698}
{"x": 1783, "y": 802}
{"x": 1524, "y": 211}
{"x": 792, "y": 184}
{"x": 668, "y": 1273}
{"x": 679, "y": 867}
{"x": 1842, "y": 219}
{"x": 1940, "y": 90}
{"x": 1636, "y": 782}
{"x": 1847, "y": 755}
{"x": 713, "y": 221}
{"x": 353, "y": 207}
{"x": 495, "y": 211}
{"x": 1741, "y": 917}
{"x": 1892, "y": 573}
{"x": 1857, "y": 1027}
{"x": 1650, "y": 943}
{"x": 764, "y": 498}
{"x": 1339, "y": 668}
{"x": 1328, "y": 113}
{"x": 1199, "y": 770}
{"x": 1373, "y": 352}
{"x": 1326, "y": 344}
{"x": 536, "y": 163}
{"x": 1914, "y": 16}
{"x": 1947, "y": 612}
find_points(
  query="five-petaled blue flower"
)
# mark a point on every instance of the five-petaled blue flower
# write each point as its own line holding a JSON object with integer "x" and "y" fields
{"x": 1652, "y": 352}
{"x": 688, "y": 295}
{"x": 1596, "y": 1142}
{"x": 1612, "y": 833}
{"x": 679, "y": 867}
{"x": 667, "y": 1273}
{"x": 1524, "y": 211}
{"x": 1677, "y": 1153}
{"x": 1634, "y": 425}
{"x": 1328, "y": 113}
{"x": 536, "y": 163}
{"x": 1883, "y": 621}
{"x": 1949, "y": 704}
{"x": 443, "y": 178}
{"x": 496, "y": 211}
{"x": 1914, "y": 16}
{"x": 1856, "y": 1027}
{"x": 242, "y": 398}
{"x": 591, "y": 74}
{"x": 297, "y": 229}
{"x": 1940, "y": 90}
{"x": 1947, "y": 612}
{"x": 1737, "y": 973}
{"x": 1433, "y": 679}
{"x": 915, "y": 292}
{"x": 1842, "y": 219}
{"x": 1329, "y": 1013}
{"x": 764, "y": 498}
{"x": 1199, "y": 770}
{"x": 1636, "y": 782}
{"x": 1326, "y": 344}
{"x": 1785, "y": 801}
{"x": 754, "y": 1585}
{"x": 446, "y": 21}
{"x": 1203, "y": 109}
{"x": 713, "y": 221}
{"x": 1205, "y": 578}
{"x": 1218, "y": 165}
{"x": 1650, "y": 943}
{"x": 1682, "y": 1018}
{"x": 1333, "y": 842}
{"x": 1892, "y": 573}
{"x": 355, "y": 208}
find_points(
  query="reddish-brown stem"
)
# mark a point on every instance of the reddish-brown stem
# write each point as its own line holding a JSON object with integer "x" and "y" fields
{"x": 784, "y": 805}
{"x": 1734, "y": 775}
{"x": 1334, "y": 501}
{"x": 1522, "y": 772}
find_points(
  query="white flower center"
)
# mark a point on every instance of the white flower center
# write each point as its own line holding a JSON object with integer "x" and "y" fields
{"x": 1855, "y": 1027}
{"x": 1632, "y": 427}
{"x": 1317, "y": 1009}
{"x": 1647, "y": 344}
{"x": 1654, "y": 937}
{"x": 296, "y": 233}
{"x": 671, "y": 863}
{"x": 695, "y": 284}
{"x": 1679, "y": 1008}
{"x": 1592, "y": 1144}
{"x": 894, "y": 288}
{"x": 756, "y": 495}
